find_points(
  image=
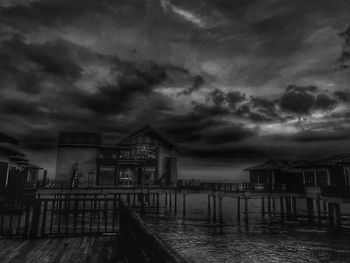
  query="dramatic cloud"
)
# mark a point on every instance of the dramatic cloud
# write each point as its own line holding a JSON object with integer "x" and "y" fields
{"x": 221, "y": 78}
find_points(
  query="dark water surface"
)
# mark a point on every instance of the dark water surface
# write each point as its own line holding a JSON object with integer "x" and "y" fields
{"x": 262, "y": 240}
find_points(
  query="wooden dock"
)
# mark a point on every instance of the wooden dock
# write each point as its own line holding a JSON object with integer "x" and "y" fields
{"x": 87, "y": 249}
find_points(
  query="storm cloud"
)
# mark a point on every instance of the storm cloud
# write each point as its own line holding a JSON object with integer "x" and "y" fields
{"x": 223, "y": 78}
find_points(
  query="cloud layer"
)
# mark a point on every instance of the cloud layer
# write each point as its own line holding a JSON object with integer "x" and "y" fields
{"x": 220, "y": 78}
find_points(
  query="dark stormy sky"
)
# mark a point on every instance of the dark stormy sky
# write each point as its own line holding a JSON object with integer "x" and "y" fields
{"x": 226, "y": 80}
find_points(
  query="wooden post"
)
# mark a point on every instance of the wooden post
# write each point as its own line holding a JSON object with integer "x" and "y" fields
{"x": 246, "y": 210}
{"x": 220, "y": 210}
{"x": 273, "y": 203}
{"x": 295, "y": 212}
{"x": 184, "y": 206}
{"x": 157, "y": 201}
{"x": 175, "y": 201}
{"x": 263, "y": 207}
{"x": 166, "y": 200}
{"x": 209, "y": 208}
{"x": 35, "y": 220}
{"x": 269, "y": 205}
{"x": 170, "y": 200}
{"x": 287, "y": 207}
{"x": 281, "y": 208}
{"x": 337, "y": 216}
{"x": 214, "y": 209}
{"x": 128, "y": 198}
{"x": 310, "y": 209}
{"x": 330, "y": 215}
{"x": 318, "y": 208}
{"x": 238, "y": 209}
{"x": 43, "y": 223}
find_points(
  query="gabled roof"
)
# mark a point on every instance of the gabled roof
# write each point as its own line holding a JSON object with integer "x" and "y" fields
{"x": 10, "y": 151}
{"x": 330, "y": 161}
{"x": 6, "y": 138}
{"x": 284, "y": 165}
{"x": 31, "y": 166}
{"x": 150, "y": 131}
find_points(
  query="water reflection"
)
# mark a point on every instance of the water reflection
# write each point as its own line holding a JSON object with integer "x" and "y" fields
{"x": 262, "y": 240}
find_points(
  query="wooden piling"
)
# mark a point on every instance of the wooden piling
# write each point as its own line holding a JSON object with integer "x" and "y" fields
{"x": 263, "y": 207}
{"x": 175, "y": 201}
{"x": 288, "y": 206}
{"x": 330, "y": 215}
{"x": 220, "y": 210}
{"x": 310, "y": 209}
{"x": 273, "y": 203}
{"x": 246, "y": 210}
{"x": 318, "y": 208}
{"x": 281, "y": 208}
{"x": 337, "y": 215}
{"x": 238, "y": 209}
{"x": 269, "y": 205}
{"x": 294, "y": 207}
{"x": 209, "y": 208}
{"x": 157, "y": 201}
{"x": 214, "y": 208}
{"x": 170, "y": 200}
{"x": 184, "y": 206}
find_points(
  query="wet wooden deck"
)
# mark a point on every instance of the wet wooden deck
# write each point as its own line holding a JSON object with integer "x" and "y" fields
{"x": 61, "y": 250}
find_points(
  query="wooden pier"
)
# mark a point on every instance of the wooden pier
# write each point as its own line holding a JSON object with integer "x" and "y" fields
{"x": 85, "y": 215}
{"x": 85, "y": 249}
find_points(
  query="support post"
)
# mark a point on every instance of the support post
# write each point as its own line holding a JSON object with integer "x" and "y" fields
{"x": 288, "y": 207}
{"x": 175, "y": 201}
{"x": 318, "y": 208}
{"x": 269, "y": 205}
{"x": 263, "y": 207}
{"x": 238, "y": 209}
{"x": 294, "y": 206}
{"x": 246, "y": 210}
{"x": 310, "y": 209}
{"x": 184, "y": 206}
{"x": 281, "y": 208}
{"x": 214, "y": 208}
{"x": 170, "y": 200}
{"x": 273, "y": 203}
{"x": 220, "y": 210}
{"x": 209, "y": 208}
{"x": 330, "y": 215}
{"x": 337, "y": 214}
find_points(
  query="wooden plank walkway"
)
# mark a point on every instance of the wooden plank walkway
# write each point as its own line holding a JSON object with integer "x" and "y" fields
{"x": 88, "y": 249}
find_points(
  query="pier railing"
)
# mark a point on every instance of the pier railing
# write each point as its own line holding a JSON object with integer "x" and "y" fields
{"x": 242, "y": 187}
{"x": 140, "y": 244}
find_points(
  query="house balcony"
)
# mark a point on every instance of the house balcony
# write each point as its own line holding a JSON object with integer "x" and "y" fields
{"x": 337, "y": 191}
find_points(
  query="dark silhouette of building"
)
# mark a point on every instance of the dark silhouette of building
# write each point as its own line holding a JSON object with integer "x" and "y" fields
{"x": 145, "y": 157}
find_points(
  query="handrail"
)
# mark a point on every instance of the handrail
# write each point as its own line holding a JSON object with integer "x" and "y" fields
{"x": 140, "y": 244}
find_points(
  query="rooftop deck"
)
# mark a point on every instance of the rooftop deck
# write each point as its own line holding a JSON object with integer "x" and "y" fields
{"x": 61, "y": 250}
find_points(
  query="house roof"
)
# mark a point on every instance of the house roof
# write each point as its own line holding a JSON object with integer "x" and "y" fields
{"x": 151, "y": 131}
{"x": 31, "y": 166}
{"x": 6, "y": 138}
{"x": 19, "y": 159}
{"x": 10, "y": 151}
{"x": 330, "y": 161}
{"x": 284, "y": 165}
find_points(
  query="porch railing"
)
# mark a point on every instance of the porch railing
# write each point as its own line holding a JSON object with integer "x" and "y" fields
{"x": 335, "y": 191}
